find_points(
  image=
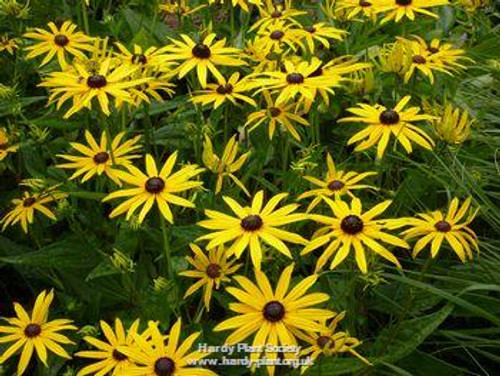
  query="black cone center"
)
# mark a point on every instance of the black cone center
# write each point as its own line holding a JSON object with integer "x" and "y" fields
{"x": 101, "y": 157}
{"x": 443, "y": 226}
{"x": 274, "y": 311}
{"x": 389, "y": 117}
{"x": 96, "y": 81}
{"x": 213, "y": 271}
{"x": 155, "y": 185}
{"x": 164, "y": 367}
{"x": 119, "y": 356}
{"x": 252, "y": 223}
{"x": 404, "y": 2}
{"x": 352, "y": 224}
{"x": 419, "y": 59}
{"x": 275, "y": 112}
{"x": 32, "y": 330}
{"x": 225, "y": 89}
{"x": 277, "y": 35}
{"x": 201, "y": 51}
{"x": 29, "y": 202}
{"x": 335, "y": 185}
{"x": 295, "y": 78}
{"x": 61, "y": 40}
{"x": 139, "y": 59}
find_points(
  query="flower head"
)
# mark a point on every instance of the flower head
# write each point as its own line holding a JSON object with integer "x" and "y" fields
{"x": 398, "y": 9}
{"x": 6, "y": 145}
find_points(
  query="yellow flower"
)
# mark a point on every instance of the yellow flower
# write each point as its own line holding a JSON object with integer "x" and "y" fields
{"x": 452, "y": 124}
{"x": 272, "y": 12}
{"x": 107, "y": 356}
{"x": 350, "y": 228}
{"x": 276, "y": 317}
{"x": 382, "y": 122}
{"x": 154, "y": 186}
{"x": 336, "y": 183}
{"x": 393, "y": 57}
{"x": 180, "y": 7}
{"x": 83, "y": 85}
{"x": 102, "y": 157}
{"x": 151, "y": 58}
{"x": 277, "y": 38}
{"x": 25, "y": 208}
{"x": 211, "y": 271}
{"x": 6, "y": 146}
{"x": 231, "y": 90}
{"x": 203, "y": 56}
{"x": 367, "y": 8}
{"x": 397, "y": 9}
{"x": 319, "y": 32}
{"x": 59, "y": 42}
{"x": 434, "y": 227}
{"x": 330, "y": 342}
{"x": 276, "y": 114}
{"x": 242, "y": 3}
{"x": 251, "y": 225}
{"x": 160, "y": 356}
{"x": 225, "y": 166}
{"x": 35, "y": 333}
{"x": 9, "y": 45}
{"x": 473, "y": 5}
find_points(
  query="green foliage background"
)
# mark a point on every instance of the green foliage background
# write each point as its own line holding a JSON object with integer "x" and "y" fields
{"x": 436, "y": 317}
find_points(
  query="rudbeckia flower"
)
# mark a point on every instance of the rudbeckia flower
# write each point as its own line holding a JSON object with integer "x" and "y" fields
{"x": 211, "y": 271}
{"x": 330, "y": 342}
{"x": 453, "y": 124}
{"x": 435, "y": 227}
{"x": 277, "y": 38}
{"x": 108, "y": 359}
{"x": 242, "y": 3}
{"x": 180, "y": 7}
{"x": 154, "y": 186}
{"x": 336, "y": 183}
{"x": 397, "y": 9}
{"x": 276, "y": 114}
{"x": 320, "y": 33}
{"x": 348, "y": 228}
{"x": 35, "y": 333}
{"x": 382, "y": 122}
{"x": 150, "y": 58}
{"x": 225, "y": 166}
{"x": 6, "y": 146}
{"x": 273, "y": 11}
{"x": 251, "y": 225}
{"x": 26, "y": 207}
{"x": 352, "y": 8}
{"x": 276, "y": 317}
{"x": 7, "y": 44}
{"x": 101, "y": 158}
{"x": 226, "y": 90}
{"x": 59, "y": 41}
{"x": 203, "y": 56}
{"x": 160, "y": 356}
{"x": 83, "y": 84}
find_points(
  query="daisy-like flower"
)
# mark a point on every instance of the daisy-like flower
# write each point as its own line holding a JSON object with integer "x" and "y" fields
{"x": 226, "y": 90}
{"x": 273, "y": 11}
{"x": 108, "y": 359}
{"x": 180, "y": 7}
{"x": 242, "y": 3}
{"x": 149, "y": 58}
{"x": 8, "y": 44}
{"x": 382, "y": 122}
{"x": 225, "y": 166}
{"x": 154, "y": 186}
{"x": 276, "y": 114}
{"x": 330, "y": 342}
{"x": 350, "y": 228}
{"x": 276, "y": 317}
{"x": 161, "y": 357}
{"x": 251, "y": 225}
{"x": 336, "y": 183}
{"x": 83, "y": 84}
{"x": 435, "y": 227}
{"x": 6, "y": 145}
{"x": 397, "y": 9}
{"x": 102, "y": 157}
{"x": 320, "y": 33}
{"x": 35, "y": 333}
{"x": 452, "y": 125}
{"x": 355, "y": 7}
{"x": 26, "y": 207}
{"x": 211, "y": 271}
{"x": 59, "y": 42}
{"x": 297, "y": 79}
{"x": 277, "y": 38}
{"x": 203, "y": 56}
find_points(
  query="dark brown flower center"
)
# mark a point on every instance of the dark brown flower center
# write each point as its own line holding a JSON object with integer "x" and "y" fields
{"x": 61, "y": 40}
{"x": 389, "y": 117}
{"x": 310, "y": 29}
{"x": 213, "y": 271}
{"x": 139, "y": 59}
{"x": 164, "y": 367}
{"x": 225, "y": 89}
{"x": 274, "y": 311}
{"x": 443, "y": 226}
{"x": 352, "y": 224}
{"x": 318, "y": 72}
{"x": 364, "y": 3}
{"x": 404, "y": 2}
{"x": 32, "y": 330}
{"x": 335, "y": 185}
{"x": 419, "y": 59}
{"x": 277, "y": 35}
{"x": 433, "y": 50}
{"x": 251, "y": 223}
{"x": 29, "y": 202}
{"x": 96, "y": 81}
{"x": 3, "y": 146}
{"x": 118, "y": 356}
{"x": 276, "y": 14}
{"x": 275, "y": 112}
{"x": 101, "y": 157}
{"x": 155, "y": 185}
{"x": 322, "y": 341}
{"x": 201, "y": 51}
{"x": 295, "y": 78}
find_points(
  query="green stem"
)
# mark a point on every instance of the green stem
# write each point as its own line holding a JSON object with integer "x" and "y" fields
{"x": 85, "y": 17}
{"x": 166, "y": 248}
{"x": 227, "y": 129}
